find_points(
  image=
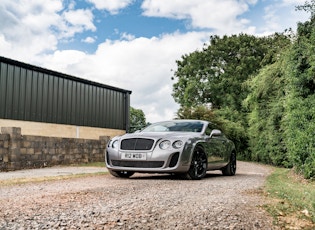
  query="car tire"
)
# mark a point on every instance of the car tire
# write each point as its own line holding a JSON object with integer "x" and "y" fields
{"x": 230, "y": 169}
{"x": 121, "y": 174}
{"x": 198, "y": 167}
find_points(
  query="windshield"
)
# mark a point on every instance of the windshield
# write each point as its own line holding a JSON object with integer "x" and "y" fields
{"x": 175, "y": 126}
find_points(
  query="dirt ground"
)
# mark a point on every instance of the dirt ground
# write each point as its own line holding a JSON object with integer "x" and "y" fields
{"x": 145, "y": 201}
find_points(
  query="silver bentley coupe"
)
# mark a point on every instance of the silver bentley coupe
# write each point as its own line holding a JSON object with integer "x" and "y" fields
{"x": 188, "y": 148}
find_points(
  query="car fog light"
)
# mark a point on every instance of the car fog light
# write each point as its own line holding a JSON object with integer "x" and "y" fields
{"x": 164, "y": 144}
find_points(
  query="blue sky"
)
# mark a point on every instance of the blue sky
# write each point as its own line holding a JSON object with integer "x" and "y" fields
{"x": 131, "y": 44}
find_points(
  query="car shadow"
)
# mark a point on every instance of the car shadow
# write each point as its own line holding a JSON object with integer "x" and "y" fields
{"x": 156, "y": 176}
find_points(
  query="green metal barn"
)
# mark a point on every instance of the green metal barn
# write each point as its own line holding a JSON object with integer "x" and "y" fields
{"x": 35, "y": 94}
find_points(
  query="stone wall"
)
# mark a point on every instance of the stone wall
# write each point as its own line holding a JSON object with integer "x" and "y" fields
{"x": 26, "y": 151}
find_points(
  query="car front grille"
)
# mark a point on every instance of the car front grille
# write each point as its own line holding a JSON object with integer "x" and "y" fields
{"x": 138, "y": 164}
{"x": 136, "y": 144}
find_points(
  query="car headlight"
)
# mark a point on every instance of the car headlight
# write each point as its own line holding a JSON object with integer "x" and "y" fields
{"x": 177, "y": 144}
{"x": 165, "y": 144}
{"x": 115, "y": 144}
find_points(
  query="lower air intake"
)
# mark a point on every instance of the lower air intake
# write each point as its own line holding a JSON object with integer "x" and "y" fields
{"x": 138, "y": 164}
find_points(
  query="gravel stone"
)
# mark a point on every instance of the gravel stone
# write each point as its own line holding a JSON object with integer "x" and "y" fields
{"x": 145, "y": 201}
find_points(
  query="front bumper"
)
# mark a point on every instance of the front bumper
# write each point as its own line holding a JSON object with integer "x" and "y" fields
{"x": 156, "y": 162}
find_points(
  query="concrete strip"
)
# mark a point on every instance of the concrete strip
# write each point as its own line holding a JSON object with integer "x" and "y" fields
{"x": 49, "y": 172}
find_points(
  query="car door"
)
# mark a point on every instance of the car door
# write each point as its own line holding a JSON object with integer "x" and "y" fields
{"x": 215, "y": 142}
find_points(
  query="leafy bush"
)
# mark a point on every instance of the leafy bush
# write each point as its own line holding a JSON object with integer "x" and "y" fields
{"x": 300, "y": 101}
{"x": 266, "y": 105}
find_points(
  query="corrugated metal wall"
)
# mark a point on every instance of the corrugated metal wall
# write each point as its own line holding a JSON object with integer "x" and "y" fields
{"x": 31, "y": 93}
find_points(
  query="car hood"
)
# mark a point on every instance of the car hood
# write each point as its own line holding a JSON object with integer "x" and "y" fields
{"x": 156, "y": 135}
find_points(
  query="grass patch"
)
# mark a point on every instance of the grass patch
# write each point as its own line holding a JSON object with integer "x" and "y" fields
{"x": 92, "y": 164}
{"x": 47, "y": 178}
{"x": 292, "y": 200}
{"x": 57, "y": 177}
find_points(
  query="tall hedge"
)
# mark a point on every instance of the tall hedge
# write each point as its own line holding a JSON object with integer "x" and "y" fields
{"x": 281, "y": 106}
{"x": 300, "y": 102}
{"x": 266, "y": 103}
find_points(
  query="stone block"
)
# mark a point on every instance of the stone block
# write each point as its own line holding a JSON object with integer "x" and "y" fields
{"x": 30, "y": 138}
{"x": 104, "y": 138}
{"x": 30, "y": 151}
{"x": 95, "y": 151}
{"x": 26, "y": 144}
{"x": 52, "y": 151}
{"x": 4, "y": 137}
{"x": 11, "y": 130}
{"x": 14, "y": 157}
{"x": 5, "y": 158}
{"x": 23, "y": 150}
{"x": 13, "y": 166}
{"x": 2, "y": 151}
{"x": 6, "y": 144}
{"x": 15, "y": 145}
{"x": 37, "y": 152}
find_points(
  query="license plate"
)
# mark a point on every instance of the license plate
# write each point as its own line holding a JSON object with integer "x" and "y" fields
{"x": 134, "y": 156}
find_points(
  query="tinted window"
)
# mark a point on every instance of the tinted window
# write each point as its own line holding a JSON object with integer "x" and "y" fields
{"x": 175, "y": 126}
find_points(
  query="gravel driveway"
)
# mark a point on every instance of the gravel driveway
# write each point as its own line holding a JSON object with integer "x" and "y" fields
{"x": 144, "y": 201}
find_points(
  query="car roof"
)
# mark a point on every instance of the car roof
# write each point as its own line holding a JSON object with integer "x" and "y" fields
{"x": 182, "y": 120}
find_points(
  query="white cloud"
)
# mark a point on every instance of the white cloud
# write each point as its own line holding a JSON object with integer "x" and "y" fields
{"x": 30, "y": 27}
{"x": 125, "y": 36}
{"x": 226, "y": 17}
{"x": 142, "y": 65}
{"x": 31, "y": 31}
{"x": 72, "y": 22}
{"x": 89, "y": 40}
{"x": 113, "y": 6}
{"x": 26, "y": 26}
{"x": 221, "y": 16}
{"x": 5, "y": 46}
{"x": 282, "y": 15}
{"x": 80, "y": 18}
{"x": 63, "y": 61}
{"x": 293, "y": 2}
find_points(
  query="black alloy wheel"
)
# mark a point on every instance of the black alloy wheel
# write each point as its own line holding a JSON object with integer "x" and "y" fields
{"x": 198, "y": 167}
{"x": 230, "y": 169}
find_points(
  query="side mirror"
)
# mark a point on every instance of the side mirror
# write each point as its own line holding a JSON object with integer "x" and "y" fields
{"x": 215, "y": 133}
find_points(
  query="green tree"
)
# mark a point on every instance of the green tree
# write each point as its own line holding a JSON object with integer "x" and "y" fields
{"x": 265, "y": 104}
{"x": 308, "y": 7}
{"x": 137, "y": 119}
{"x": 281, "y": 105}
{"x": 199, "y": 113}
{"x": 216, "y": 76}
{"x": 300, "y": 101}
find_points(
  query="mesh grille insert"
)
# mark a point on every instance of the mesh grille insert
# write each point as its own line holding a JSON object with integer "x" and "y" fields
{"x": 136, "y": 144}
